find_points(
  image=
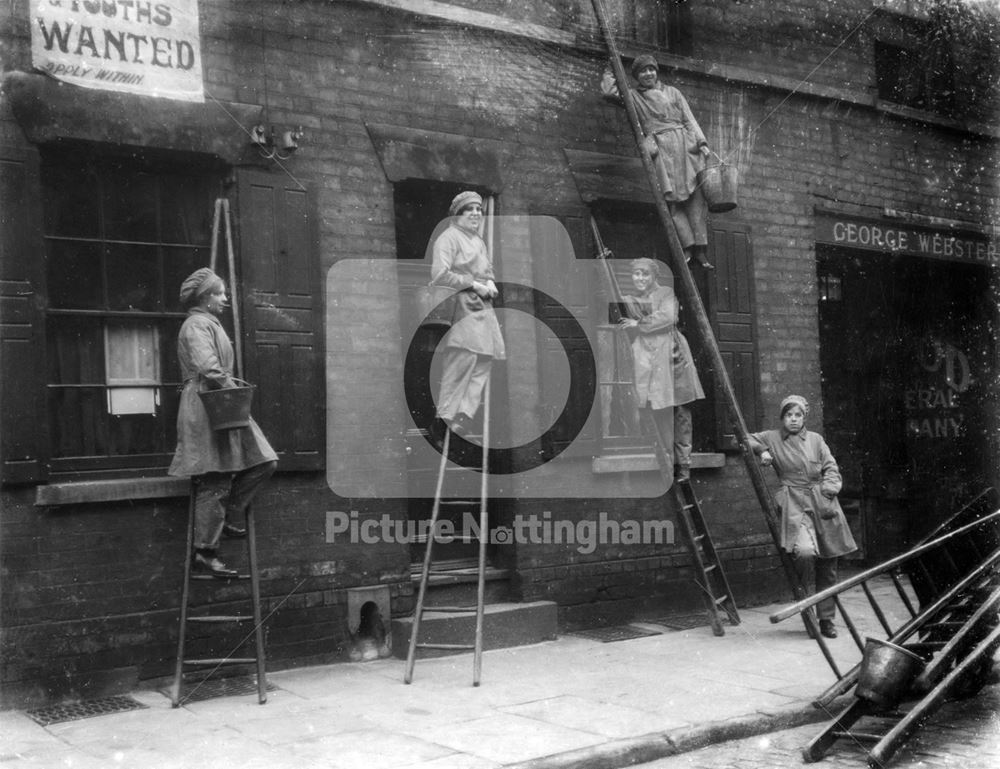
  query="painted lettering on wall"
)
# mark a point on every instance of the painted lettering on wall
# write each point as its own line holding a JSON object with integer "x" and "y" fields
{"x": 132, "y": 46}
{"x": 934, "y": 404}
{"x": 880, "y": 236}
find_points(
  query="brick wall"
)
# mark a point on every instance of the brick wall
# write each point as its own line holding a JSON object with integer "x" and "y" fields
{"x": 91, "y": 592}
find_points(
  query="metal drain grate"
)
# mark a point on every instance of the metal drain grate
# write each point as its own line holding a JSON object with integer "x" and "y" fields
{"x": 684, "y": 621}
{"x": 614, "y": 633}
{"x": 74, "y": 711}
{"x": 196, "y": 691}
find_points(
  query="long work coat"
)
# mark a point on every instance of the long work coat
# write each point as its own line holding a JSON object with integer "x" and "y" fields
{"x": 667, "y": 119}
{"x": 459, "y": 259}
{"x": 806, "y": 469}
{"x": 206, "y": 358}
{"x": 665, "y": 375}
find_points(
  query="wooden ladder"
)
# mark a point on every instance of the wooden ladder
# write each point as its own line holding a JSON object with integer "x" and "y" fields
{"x": 709, "y": 574}
{"x": 212, "y": 664}
{"x": 427, "y": 570}
{"x": 960, "y": 637}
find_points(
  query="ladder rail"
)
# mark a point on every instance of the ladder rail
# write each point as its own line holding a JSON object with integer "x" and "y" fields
{"x": 185, "y": 618}
{"x": 477, "y": 664}
{"x": 425, "y": 570}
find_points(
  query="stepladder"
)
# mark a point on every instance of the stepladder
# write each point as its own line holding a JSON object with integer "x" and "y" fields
{"x": 479, "y": 534}
{"x": 213, "y": 605}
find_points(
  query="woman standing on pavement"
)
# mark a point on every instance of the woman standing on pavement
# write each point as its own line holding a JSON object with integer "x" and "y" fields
{"x": 228, "y": 466}
{"x": 813, "y": 527}
{"x": 462, "y": 262}
{"x": 665, "y": 377}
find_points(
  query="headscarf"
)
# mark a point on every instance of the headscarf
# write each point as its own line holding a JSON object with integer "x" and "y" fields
{"x": 462, "y": 200}
{"x": 650, "y": 264}
{"x": 794, "y": 400}
{"x": 645, "y": 60}
{"x": 196, "y": 284}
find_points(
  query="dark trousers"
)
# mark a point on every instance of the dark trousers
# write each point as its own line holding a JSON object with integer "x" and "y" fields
{"x": 224, "y": 496}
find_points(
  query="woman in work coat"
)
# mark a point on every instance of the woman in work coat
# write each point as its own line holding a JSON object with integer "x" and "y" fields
{"x": 677, "y": 146}
{"x": 813, "y": 527}
{"x": 462, "y": 262}
{"x": 665, "y": 376}
{"x": 228, "y": 466}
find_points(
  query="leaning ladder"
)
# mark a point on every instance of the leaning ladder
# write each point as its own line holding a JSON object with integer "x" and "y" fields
{"x": 214, "y": 663}
{"x": 427, "y": 569}
{"x": 709, "y": 574}
{"x": 703, "y": 325}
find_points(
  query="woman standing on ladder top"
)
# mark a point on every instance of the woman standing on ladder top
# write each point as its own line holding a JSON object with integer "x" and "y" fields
{"x": 665, "y": 376}
{"x": 228, "y": 466}
{"x": 461, "y": 261}
{"x": 813, "y": 527}
{"x": 678, "y": 147}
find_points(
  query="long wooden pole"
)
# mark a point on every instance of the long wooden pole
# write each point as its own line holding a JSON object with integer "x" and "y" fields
{"x": 702, "y": 323}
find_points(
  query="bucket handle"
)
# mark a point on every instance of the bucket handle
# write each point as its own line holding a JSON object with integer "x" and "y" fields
{"x": 721, "y": 161}
{"x": 242, "y": 382}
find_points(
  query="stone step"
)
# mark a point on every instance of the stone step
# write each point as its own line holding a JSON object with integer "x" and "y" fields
{"x": 455, "y": 583}
{"x": 504, "y": 625}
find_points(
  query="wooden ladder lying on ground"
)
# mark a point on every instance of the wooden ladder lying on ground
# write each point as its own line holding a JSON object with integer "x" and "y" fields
{"x": 954, "y": 630}
{"x": 212, "y": 664}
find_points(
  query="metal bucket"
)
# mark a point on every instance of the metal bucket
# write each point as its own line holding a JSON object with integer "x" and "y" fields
{"x": 887, "y": 671}
{"x": 719, "y": 185}
{"x": 229, "y": 408}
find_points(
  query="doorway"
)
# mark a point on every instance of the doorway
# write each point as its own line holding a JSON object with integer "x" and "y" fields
{"x": 907, "y": 357}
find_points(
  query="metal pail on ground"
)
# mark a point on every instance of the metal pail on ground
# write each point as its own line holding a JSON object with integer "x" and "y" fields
{"x": 229, "y": 408}
{"x": 887, "y": 671}
{"x": 719, "y": 186}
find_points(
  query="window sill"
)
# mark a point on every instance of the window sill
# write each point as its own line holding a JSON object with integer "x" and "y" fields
{"x": 633, "y": 463}
{"x": 83, "y": 492}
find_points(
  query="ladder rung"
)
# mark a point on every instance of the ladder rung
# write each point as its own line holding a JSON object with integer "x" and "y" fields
{"x": 210, "y": 578}
{"x": 445, "y": 646}
{"x": 467, "y": 539}
{"x": 688, "y": 507}
{"x": 711, "y": 567}
{"x": 722, "y": 599}
{"x": 461, "y": 501}
{"x": 211, "y": 662}
{"x": 450, "y": 609}
{"x": 222, "y": 618}
{"x": 860, "y": 736}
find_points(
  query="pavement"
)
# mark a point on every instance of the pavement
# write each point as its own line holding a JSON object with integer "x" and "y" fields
{"x": 570, "y": 702}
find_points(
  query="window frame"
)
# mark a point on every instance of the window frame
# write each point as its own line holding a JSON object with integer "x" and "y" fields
{"x": 96, "y": 171}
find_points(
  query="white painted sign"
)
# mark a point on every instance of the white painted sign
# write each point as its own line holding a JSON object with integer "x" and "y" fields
{"x": 129, "y": 46}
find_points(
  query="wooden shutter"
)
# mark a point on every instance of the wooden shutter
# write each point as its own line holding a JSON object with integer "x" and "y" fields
{"x": 732, "y": 311}
{"x": 23, "y": 441}
{"x": 282, "y": 308}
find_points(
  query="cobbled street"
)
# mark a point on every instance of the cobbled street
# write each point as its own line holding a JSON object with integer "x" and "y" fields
{"x": 963, "y": 733}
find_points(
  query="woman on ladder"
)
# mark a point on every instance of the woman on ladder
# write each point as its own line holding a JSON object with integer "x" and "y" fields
{"x": 665, "y": 377}
{"x": 227, "y": 467}
{"x": 461, "y": 261}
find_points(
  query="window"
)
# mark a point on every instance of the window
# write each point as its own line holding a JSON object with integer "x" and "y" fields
{"x": 921, "y": 78}
{"x": 632, "y": 231}
{"x": 662, "y": 24}
{"x": 120, "y": 236}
